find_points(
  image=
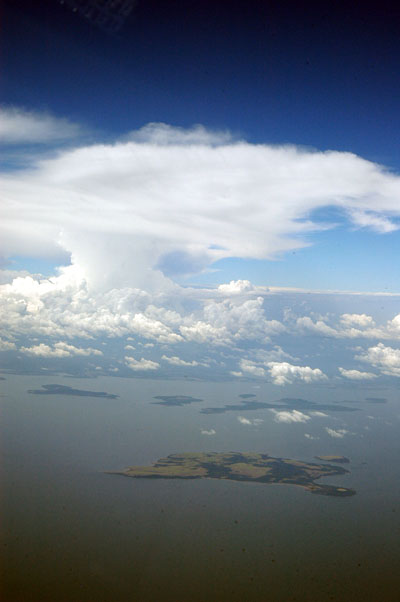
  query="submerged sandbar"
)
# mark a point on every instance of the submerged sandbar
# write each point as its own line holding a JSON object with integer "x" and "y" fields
{"x": 242, "y": 466}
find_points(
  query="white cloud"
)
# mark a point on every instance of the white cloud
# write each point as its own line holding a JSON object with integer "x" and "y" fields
{"x": 311, "y": 437}
{"x": 288, "y": 416}
{"x": 356, "y": 374}
{"x": 59, "y": 349}
{"x": 359, "y": 320}
{"x": 248, "y": 422}
{"x": 236, "y": 287}
{"x": 283, "y": 373}
{"x": 251, "y": 368}
{"x": 336, "y": 434}
{"x": 142, "y": 364}
{"x": 386, "y": 359}
{"x": 122, "y": 209}
{"x": 177, "y": 361}
{"x": 21, "y": 126}
{"x": 6, "y": 345}
{"x": 318, "y": 414}
{"x": 210, "y": 432}
{"x": 129, "y": 348}
{"x": 350, "y": 326}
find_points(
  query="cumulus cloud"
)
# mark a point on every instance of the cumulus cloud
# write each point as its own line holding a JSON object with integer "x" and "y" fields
{"x": 386, "y": 359}
{"x": 6, "y": 345}
{"x": 283, "y": 373}
{"x": 122, "y": 209}
{"x": 248, "y": 422}
{"x": 142, "y": 364}
{"x": 236, "y": 287}
{"x": 177, "y": 361}
{"x": 356, "y": 374}
{"x": 21, "y": 126}
{"x": 59, "y": 349}
{"x": 210, "y": 432}
{"x": 311, "y": 437}
{"x": 336, "y": 434}
{"x": 350, "y": 326}
{"x": 288, "y": 416}
{"x": 252, "y": 368}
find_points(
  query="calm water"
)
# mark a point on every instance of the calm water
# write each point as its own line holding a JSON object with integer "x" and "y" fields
{"x": 71, "y": 532}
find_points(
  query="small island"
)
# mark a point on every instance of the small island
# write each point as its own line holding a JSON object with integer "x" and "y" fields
{"x": 338, "y": 459}
{"x": 245, "y": 466}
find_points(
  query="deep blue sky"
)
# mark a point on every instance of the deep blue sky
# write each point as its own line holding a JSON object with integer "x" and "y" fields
{"x": 323, "y": 74}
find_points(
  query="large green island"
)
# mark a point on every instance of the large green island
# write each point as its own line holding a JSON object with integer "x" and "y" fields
{"x": 246, "y": 466}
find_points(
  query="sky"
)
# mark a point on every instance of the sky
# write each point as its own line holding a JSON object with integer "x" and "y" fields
{"x": 215, "y": 179}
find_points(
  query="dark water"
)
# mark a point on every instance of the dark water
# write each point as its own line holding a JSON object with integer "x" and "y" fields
{"x": 73, "y": 533}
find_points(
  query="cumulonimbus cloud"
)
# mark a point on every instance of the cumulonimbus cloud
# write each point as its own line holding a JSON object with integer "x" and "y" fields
{"x": 169, "y": 201}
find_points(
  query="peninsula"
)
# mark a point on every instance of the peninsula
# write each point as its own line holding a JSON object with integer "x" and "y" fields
{"x": 244, "y": 466}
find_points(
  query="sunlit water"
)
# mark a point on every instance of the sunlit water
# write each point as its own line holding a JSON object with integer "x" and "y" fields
{"x": 72, "y": 532}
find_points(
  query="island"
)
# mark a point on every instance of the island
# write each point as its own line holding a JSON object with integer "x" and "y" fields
{"x": 241, "y": 466}
{"x": 338, "y": 459}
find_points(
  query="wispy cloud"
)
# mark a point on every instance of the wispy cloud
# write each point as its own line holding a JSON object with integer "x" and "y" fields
{"x": 19, "y": 126}
{"x": 336, "y": 434}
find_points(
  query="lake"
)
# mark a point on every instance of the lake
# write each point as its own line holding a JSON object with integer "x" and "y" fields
{"x": 73, "y": 532}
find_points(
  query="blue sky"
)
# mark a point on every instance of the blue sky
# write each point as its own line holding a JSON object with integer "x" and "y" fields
{"x": 165, "y": 189}
{"x": 318, "y": 76}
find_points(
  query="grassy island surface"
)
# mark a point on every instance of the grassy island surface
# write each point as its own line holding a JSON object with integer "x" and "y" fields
{"x": 242, "y": 466}
{"x": 338, "y": 459}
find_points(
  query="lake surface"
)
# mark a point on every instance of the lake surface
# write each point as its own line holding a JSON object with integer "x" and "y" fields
{"x": 72, "y": 532}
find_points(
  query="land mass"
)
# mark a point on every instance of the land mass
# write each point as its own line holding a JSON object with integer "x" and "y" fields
{"x": 246, "y": 466}
{"x": 338, "y": 459}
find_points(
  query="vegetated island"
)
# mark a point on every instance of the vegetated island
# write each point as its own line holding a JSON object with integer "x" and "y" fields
{"x": 338, "y": 459}
{"x": 246, "y": 466}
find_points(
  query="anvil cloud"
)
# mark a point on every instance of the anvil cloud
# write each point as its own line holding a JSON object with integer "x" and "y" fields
{"x": 166, "y": 201}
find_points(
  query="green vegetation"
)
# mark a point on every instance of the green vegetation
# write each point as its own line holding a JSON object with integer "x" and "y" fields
{"x": 246, "y": 466}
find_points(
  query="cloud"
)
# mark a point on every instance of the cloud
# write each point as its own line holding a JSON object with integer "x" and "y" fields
{"x": 252, "y": 422}
{"x": 19, "y": 126}
{"x": 6, "y": 345}
{"x": 283, "y": 373}
{"x": 360, "y": 320}
{"x": 318, "y": 414}
{"x": 251, "y": 368}
{"x": 386, "y": 359}
{"x": 59, "y": 349}
{"x": 311, "y": 437}
{"x": 176, "y": 361}
{"x": 350, "y": 326}
{"x": 356, "y": 374}
{"x": 121, "y": 209}
{"x": 288, "y": 416}
{"x": 210, "y": 432}
{"x": 336, "y": 434}
{"x": 142, "y": 364}
{"x": 236, "y": 287}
